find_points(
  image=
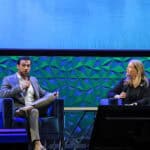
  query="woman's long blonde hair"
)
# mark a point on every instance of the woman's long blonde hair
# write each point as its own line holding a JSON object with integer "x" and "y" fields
{"x": 138, "y": 65}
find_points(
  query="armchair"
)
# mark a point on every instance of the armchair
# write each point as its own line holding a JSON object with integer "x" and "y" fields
{"x": 51, "y": 122}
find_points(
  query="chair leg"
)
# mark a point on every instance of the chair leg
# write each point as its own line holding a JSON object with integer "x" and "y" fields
{"x": 61, "y": 144}
{"x": 30, "y": 146}
{"x": 50, "y": 145}
{"x": 54, "y": 144}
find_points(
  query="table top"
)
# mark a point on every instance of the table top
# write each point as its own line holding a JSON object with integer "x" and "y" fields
{"x": 81, "y": 109}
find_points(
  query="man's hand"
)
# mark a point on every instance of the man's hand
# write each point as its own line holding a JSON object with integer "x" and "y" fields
{"x": 56, "y": 94}
{"x": 26, "y": 108}
{"x": 25, "y": 85}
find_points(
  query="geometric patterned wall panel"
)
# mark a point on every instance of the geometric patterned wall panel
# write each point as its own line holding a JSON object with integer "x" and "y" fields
{"x": 81, "y": 81}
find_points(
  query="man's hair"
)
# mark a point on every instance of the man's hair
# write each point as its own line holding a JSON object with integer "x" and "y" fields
{"x": 23, "y": 58}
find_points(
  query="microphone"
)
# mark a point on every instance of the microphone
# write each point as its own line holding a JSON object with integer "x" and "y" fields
{"x": 28, "y": 77}
{"x": 25, "y": 85}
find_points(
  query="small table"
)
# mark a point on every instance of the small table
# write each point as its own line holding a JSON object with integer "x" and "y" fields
{"x": 85, "y": 109}
{"x": 78, "y": 109}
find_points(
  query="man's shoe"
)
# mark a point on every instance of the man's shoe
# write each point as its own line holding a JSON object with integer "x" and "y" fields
{"x": 41, "y": 147}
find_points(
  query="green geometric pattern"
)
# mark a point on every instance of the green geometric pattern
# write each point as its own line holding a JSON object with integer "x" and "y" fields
{"x": 81, "y": 81}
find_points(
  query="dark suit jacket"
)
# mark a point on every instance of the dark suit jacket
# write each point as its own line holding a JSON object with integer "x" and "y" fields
{"x": 10, "y": 88}
{"x": 141, "y": 94}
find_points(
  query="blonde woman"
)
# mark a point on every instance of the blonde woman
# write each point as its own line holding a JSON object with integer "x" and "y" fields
{"x": 134, "y": 88}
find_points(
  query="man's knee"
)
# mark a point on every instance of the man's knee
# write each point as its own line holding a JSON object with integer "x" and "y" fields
{"x": 35, "y": 112}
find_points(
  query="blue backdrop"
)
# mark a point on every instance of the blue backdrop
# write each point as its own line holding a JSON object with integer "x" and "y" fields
{"x": 78, "y": 24}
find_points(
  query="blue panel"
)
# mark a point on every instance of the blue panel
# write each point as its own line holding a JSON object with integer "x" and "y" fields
{"x": 13, "y": 136}
{"x": 1, "y": 121}
{"x": 65, "y": 24}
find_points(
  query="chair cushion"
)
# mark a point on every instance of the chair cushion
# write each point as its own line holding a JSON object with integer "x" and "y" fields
{"x": 19, "y": 122}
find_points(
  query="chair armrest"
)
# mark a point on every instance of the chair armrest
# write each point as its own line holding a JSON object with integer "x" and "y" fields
{"x": 7, "y": 111}
{"x": 7, "y": 105}
{"x": 59, "y": 113}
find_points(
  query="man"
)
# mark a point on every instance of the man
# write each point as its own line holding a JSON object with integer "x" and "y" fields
{"x": 28, "y": 97}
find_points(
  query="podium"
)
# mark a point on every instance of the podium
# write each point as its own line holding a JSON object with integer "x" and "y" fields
{"x": 121, "y": 128}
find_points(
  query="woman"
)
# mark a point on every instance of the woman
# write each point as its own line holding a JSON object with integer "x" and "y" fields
{"x": 134, "y": 89}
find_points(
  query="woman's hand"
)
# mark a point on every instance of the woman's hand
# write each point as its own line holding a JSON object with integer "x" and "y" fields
{"x": 121, "y": 95}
